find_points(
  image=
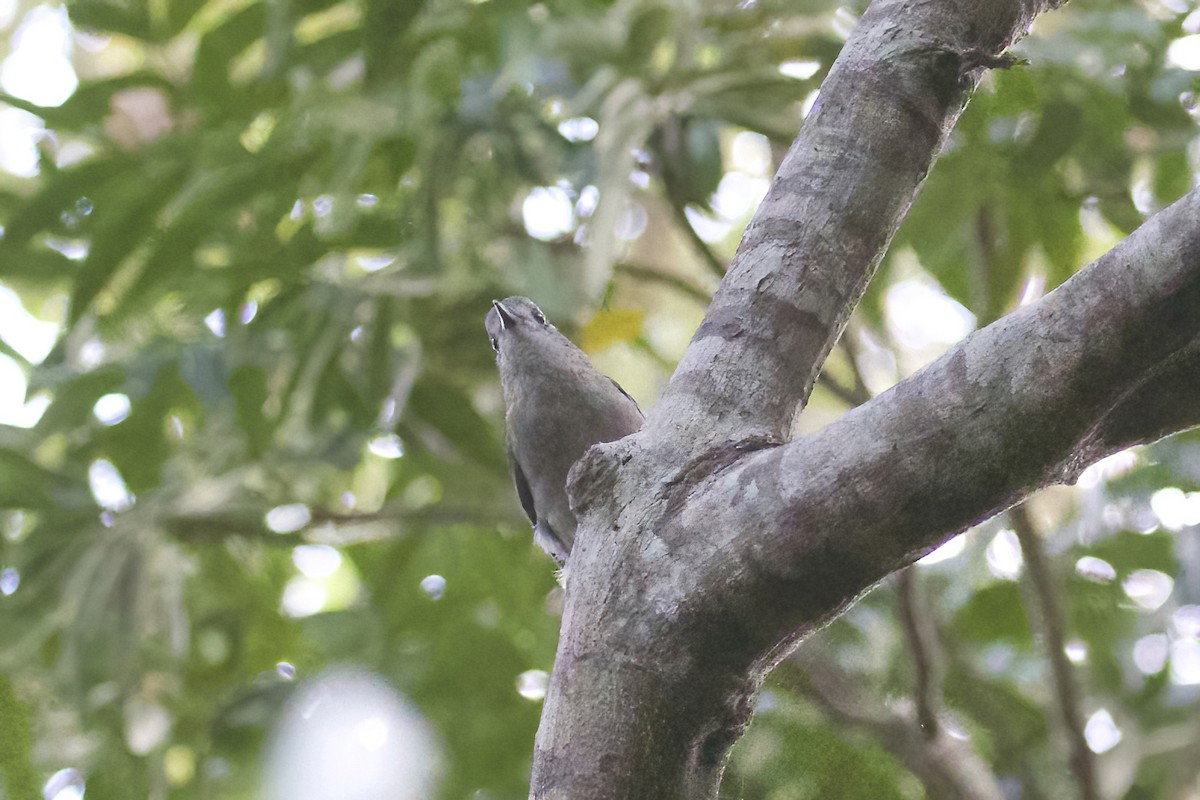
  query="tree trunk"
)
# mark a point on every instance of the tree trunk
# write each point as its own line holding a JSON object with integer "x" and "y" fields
{"x": 711, "y": 542}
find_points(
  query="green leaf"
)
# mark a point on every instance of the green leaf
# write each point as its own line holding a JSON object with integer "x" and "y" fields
{"x": 24, "y": 484}
{"x": 1096, "y": 614}
{"x": 448, "y": 409}
{"x": 1172, "y": 176}
{"x": 1015, "y": 726}
{"x": 91, "y": 102}
{"x": 125, "y": 215}
{"x": 810, "y": 762}
{"x": 178, "y": 14}
{"x": 943, "y": 222}
{"x": 131, "y": 19}
{"x": 1059, "y": 129}
{"x": 217, "y": 48}
{"x": 1059, "y": 233}
{"x": 385, "y": 23}
{"x": 352, "y": 631}
{"x": 1128, "y": 551}
{"x": 649, "y": 26}
{"x": 213, "y": 201}
{"x": 20, "y": 779}
{"x": 138, "y": 446}
{"x": 43, "y": 211}
{"x": 993, "y": 613}
{"x": 248, "y": 385}
{"x": 39, "y": 267}
{"x": 689, "y": 151}
{"x": 74, "y": 396}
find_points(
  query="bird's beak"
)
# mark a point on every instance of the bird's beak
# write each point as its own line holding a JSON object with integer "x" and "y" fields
{"x": 506, "y": 317}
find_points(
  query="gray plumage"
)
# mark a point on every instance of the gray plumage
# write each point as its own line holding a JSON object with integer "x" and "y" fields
{"x": 558, "y": 406}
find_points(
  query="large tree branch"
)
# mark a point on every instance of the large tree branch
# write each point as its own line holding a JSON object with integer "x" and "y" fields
{"x": 705, "y": 551}
{"x": 692, "y": 586}
{"x": 806, "y": 258}
{"x": 1018, "y": 405}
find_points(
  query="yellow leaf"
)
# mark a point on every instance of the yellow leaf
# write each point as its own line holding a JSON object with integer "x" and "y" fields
{"x": 608, "y": 327}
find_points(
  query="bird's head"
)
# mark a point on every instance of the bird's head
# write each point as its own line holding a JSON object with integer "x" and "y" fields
{"x": 515, "y": 319}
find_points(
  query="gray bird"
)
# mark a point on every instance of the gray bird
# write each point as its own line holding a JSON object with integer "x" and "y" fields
{"x": 558, "y": 406}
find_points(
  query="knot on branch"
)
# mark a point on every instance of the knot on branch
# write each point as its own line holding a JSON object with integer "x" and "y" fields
{"x": 709, "y": 462}
{"x": 594, "y": 476}
{"x": 975, "y": 59}
{"x": 957, "y": 69}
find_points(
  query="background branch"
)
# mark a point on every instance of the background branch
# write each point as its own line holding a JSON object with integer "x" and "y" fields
{"x": 846, "y": 394}
{"x": 1049, "y": 619}
{"x": 920, "y": 636}
{"x": 948, "y": 767}
{"x": 710, "y": 260}
{"x": 651, "y": 275}
{"x": 857, "y": 393}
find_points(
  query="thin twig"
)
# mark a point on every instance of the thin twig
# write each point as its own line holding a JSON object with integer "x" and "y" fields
{"x": 844, "y": 393}
{"x": 1053, "y": 629}
{"x": 854, "y": 395}
{"x": 651, "y": 275}
{"x": 949, "y": 768}
{"x": 851, "y": 349}
{"x": 715, "y": 265}
{"x": 921, "y": 638}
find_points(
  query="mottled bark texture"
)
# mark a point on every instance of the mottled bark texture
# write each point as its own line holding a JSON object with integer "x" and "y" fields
{"x": 709, "y": 544}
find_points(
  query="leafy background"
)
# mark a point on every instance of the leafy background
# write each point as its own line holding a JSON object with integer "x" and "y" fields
{"x": 266, "y": 233}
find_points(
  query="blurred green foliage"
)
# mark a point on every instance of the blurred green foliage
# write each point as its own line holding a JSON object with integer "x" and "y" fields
{"x": 274, "y": 227}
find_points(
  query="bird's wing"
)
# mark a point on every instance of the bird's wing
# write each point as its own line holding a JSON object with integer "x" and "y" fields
{"x": 627, "y": 396}
{"x": 522, "y": 484}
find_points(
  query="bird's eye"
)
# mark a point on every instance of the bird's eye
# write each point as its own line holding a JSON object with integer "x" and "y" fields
{"x": 495, "y": 344}
{"x": 539, "y": 317}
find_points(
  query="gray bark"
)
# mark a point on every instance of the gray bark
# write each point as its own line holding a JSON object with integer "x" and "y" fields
{"x": 709, "y": 544}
